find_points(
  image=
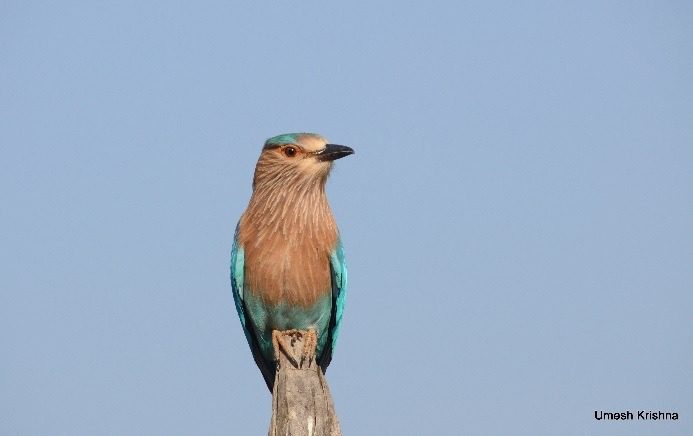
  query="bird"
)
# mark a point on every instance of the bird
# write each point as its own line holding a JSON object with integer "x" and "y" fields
{"x": 288, "y": 270}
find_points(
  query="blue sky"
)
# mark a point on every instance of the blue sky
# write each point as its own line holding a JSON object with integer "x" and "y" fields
{"x": 517, "y": 217}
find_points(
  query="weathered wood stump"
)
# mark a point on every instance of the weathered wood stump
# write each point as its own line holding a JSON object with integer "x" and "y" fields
{"x": 301, "y": 400}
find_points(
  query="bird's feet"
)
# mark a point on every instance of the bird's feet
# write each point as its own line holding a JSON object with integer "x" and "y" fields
{"x": 286, "y": 339}
{"x": 279, "y": 343}
{"x": 310, "y": 344}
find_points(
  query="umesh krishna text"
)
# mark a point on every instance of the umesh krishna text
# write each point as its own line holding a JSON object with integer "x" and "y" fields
{"x": 639, "y": 415}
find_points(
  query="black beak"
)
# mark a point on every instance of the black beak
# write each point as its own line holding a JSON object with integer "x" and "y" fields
{"x": 334, "y": 151}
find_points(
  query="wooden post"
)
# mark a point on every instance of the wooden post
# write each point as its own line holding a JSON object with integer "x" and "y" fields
{"x": 301, "y": 400}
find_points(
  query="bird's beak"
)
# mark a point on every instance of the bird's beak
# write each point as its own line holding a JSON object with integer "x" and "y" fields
{"x": 334, "y": 151}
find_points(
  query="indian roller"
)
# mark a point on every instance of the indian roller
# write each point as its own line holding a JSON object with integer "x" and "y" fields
{"x": 287, "y": 262}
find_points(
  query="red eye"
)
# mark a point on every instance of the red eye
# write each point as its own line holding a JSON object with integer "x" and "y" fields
{"x": 290, "y": 151}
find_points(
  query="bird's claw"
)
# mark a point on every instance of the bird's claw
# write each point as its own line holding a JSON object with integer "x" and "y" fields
{"x": 310, "y": 342}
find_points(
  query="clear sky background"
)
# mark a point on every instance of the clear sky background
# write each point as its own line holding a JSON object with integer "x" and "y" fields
{"x": 518, "y": 218}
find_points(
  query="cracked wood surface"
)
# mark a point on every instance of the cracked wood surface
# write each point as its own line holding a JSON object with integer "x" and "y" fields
{"x": 301, "y": 400}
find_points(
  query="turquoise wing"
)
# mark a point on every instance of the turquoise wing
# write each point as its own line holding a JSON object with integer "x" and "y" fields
{"x": 237, "y": 285}
{"x": 338, "y": 269}
{"x": 237, "y": 273}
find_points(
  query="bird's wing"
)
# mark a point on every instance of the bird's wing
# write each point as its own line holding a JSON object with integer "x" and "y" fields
{"x": 237, "y": 285}
{"x": 338, "y": 269}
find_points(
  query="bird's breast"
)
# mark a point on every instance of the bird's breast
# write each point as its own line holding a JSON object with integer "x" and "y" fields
{"x": 288, "y": 240}
{"x": 288, "y": 269}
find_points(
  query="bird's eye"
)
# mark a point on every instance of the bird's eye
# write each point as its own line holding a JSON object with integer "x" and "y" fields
{"x": 290, "y": 151}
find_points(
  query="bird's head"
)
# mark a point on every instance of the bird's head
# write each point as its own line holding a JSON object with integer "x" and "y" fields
{"x": 301, "y": 158}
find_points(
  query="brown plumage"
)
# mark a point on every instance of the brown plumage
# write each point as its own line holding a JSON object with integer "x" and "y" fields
{"x": 288, "y": 229}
